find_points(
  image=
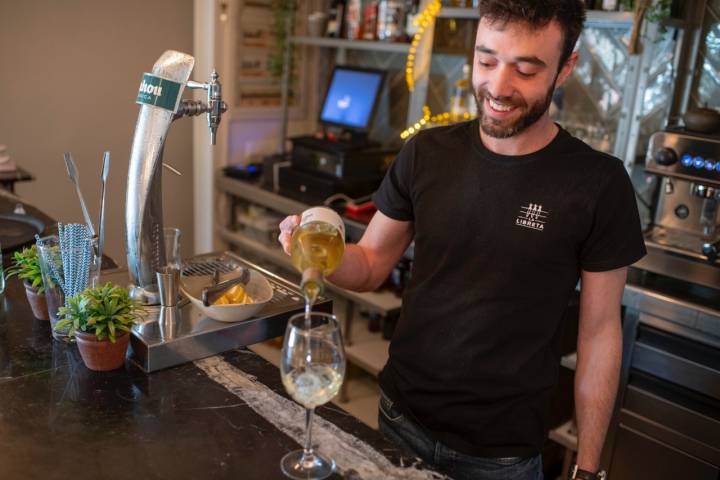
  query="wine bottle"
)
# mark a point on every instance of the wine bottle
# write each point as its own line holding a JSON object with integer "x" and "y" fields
{"x": 316, "y": 249}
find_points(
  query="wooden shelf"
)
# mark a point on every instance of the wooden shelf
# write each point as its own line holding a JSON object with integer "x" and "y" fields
{"x": 459, "y": 13}
{"x": 257, "y": 195}
{"x": 279, "y": 203}
{"x": 375, "y": 46}
{"x": 371, "y": 355}
{"x": 368, "y": 350}
{"x": 595, "y": 18}
{"x": 601, "y": 19}
{"x": 565, "y": 435}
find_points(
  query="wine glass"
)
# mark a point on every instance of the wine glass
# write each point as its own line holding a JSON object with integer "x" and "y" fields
{"x": 312, "y": 367}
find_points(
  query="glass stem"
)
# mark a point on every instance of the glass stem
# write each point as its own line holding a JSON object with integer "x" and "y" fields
{"x": 308, "y": 450}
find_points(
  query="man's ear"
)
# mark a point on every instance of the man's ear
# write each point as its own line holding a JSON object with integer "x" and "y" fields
{"x": 568, "y": 68}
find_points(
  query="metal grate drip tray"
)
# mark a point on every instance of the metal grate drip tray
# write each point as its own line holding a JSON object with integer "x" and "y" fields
{"x": 174, "y": 335}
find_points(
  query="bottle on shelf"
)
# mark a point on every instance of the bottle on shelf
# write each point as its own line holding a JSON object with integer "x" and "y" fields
{"x": 391, "y": 20}
{"x": 353, "y": 20}
{"x": 336, "y": 19}
{"x": 369, "y": 25}
{"x": 462, "y": 102}
{"x": 412, "y": 12}
{"x": 317, "y": 247}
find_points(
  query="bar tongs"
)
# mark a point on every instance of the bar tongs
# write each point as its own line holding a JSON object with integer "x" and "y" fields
{"x": 216, "y": 290}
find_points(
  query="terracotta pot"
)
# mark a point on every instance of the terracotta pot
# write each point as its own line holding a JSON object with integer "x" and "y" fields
{"x": 37, "y": 302}
{"x": 102, "y": 355}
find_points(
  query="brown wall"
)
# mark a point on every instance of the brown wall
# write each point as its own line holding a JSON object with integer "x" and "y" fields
{"x": 69, "y": 74}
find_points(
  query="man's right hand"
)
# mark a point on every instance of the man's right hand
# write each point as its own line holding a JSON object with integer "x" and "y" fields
{"x": 287, "y": 227}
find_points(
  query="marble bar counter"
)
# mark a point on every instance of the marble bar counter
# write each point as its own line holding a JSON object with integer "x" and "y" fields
{"x": 223, "y": 417}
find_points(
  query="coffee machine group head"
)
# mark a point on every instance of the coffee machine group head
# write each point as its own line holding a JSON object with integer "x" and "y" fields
{"x": 160, "y": 102}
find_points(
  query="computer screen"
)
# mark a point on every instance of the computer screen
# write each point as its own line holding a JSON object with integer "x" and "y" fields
{"x": 351, "y": 97}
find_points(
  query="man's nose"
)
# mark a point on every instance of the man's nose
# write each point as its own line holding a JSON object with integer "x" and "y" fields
{"x": 500, "y": 83}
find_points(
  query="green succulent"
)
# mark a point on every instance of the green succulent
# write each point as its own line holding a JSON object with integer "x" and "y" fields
{"x": 106, "y": 310}
{"x": 26, "y": 265}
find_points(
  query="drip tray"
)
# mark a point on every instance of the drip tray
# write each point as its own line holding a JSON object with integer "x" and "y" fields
{"x": 171, "y": 336}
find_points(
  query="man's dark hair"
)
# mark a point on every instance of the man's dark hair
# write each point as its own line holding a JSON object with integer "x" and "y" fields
{"x": 570, "y": 15}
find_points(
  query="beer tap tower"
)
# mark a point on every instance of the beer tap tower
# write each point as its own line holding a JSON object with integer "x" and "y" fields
{"x": 171, "y": 335}
{"x": 160, "y": 102}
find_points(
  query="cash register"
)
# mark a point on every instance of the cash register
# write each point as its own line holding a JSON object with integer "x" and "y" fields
{"x": 342, "y": 159}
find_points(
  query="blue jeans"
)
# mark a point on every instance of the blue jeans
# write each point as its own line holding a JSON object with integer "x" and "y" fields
{"x": 412, "y": 437}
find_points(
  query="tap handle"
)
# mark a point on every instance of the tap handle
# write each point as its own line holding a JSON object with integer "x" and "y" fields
{"x": 216, "y": 105}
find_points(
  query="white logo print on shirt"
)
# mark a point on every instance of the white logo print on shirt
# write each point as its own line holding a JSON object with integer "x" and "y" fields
{"x": 532, "y": 216}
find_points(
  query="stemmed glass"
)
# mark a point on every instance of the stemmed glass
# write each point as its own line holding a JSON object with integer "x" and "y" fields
{"x": 312, "y": 367}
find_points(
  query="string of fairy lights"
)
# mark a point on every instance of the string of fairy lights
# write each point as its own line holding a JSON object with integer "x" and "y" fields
{"x": 424, "y": 20}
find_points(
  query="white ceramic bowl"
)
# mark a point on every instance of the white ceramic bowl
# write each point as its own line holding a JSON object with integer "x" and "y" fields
{"x": 258, "y": 287}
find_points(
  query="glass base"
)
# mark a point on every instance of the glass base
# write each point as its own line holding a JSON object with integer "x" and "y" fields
{"x": 315, "y": 467}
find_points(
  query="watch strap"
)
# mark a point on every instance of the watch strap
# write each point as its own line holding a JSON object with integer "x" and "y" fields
{"x": 579, "y": 474}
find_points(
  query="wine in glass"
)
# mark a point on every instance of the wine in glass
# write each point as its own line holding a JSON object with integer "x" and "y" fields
{"x": 312, "y": 367}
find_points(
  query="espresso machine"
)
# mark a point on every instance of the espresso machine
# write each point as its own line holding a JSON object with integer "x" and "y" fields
{"x": 684, "y": 241}
{"x": 665, "y": 425}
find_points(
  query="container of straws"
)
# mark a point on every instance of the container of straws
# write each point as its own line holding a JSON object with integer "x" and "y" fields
{"x": 69, "y": 264}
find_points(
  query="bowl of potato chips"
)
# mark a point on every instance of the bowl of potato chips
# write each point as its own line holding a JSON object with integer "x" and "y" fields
{"x": 239, "y": 302}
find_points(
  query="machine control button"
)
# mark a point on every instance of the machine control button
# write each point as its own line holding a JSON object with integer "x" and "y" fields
{"x": 666, "y": 156}
{"x": 709, "y": 165}
{"x": 687, "y": 160}
{"x": 682, "y": 211}
{"x": 710, "y": 250}
{"x": 698, "y": 162}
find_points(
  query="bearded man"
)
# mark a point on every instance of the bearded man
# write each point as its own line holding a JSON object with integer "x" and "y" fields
{"x": 507, "y": 212}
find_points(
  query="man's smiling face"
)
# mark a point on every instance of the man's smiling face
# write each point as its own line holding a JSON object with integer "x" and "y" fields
{"x": 515, "y": 72}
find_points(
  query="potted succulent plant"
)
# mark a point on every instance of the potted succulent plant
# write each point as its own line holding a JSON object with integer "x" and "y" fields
{"x": 100, "y": 319}
{"x": 26, "y": 266}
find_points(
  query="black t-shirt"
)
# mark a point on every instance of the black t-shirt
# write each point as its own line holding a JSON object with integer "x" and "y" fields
{"x": 500, "y": 242}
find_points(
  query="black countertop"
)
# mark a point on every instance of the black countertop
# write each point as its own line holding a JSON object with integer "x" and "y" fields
{"x": 223, "y": 417}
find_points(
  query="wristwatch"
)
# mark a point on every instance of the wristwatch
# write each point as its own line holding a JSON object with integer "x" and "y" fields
{"x": 576, "y": 473}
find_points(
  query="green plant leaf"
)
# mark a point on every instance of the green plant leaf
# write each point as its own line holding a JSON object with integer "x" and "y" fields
{"x": 26, "y": 265}
{"x": 103, "y": 310}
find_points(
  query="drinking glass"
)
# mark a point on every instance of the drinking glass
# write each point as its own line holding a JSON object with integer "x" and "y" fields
{"x": 172, "y": 248}
{"x": 51, "y": 267}
{"x": 312, "y": 368}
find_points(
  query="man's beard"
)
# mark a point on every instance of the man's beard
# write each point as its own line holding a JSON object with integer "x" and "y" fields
{"x": 502, "y": 129}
